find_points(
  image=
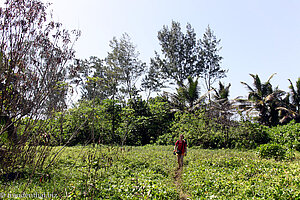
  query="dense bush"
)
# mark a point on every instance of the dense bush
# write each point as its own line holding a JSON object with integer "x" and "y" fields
{"x": 87, "y": 123}
{"x": 201, "y": 131}
{"x": 140, "y": 122}
{"x": 248, "y": 135}
{"x": 273, "y": 150}
{"x": 146, "y": 122}
{"x": 287, "y": 135}
{"x": 109, "y": 122}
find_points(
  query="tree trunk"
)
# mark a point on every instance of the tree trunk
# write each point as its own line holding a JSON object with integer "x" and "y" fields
{"x": 9, "y": 128}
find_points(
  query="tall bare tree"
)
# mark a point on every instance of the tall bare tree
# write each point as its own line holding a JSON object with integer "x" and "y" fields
{"x": 34, "y": 56}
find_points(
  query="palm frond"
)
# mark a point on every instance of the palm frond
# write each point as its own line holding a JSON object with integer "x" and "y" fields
{"x": 271, "y": 77}
{"x": 247, "y": 86}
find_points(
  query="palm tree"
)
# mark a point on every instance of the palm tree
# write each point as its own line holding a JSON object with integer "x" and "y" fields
{"x": 222, "y": 94}
{"x": 189, "y": 93}
{"x": 260, "y": 90}
{"x": 291, "y": 108}
{"x": 187, "y": 97}
{"x": 264, "y": 99}
{"x": 221, "y": 111}
{"x": 295, "y": 95}
{"x": 221, "y": 106}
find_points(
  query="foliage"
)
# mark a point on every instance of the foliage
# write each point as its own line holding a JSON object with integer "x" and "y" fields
{"x": 232, "y": 174}
{"x": 189, "y": 93}
{"x": 147, "y": 122}
{"x": 93, "y": 78}
{"x": 34, "y": 51}
{"x": 184, "y": 56}
{"x": 295, "y": 95}
{"x": 287, "y": 135}
{"x": 113, "y": 77}
{"x": 266, "y": 100}
{"x": 106, "y": 122}
{"x": 222, "y": 94}
{"x": 152, "y": 81}
{"x": 202, "y": 131}
{"x": 112, "y": 172}
{"x": 273, "y": 150}
{"x": 99, "y": 123}
{"x": 124, "y": 59}
{"x": 221, "y": 108}
{"x": 291, "y": 109}
{"x": 103, "y": 172}
{"x": 179, "y": 54}
{"x": 210, "y": 59}
{"x": 248, "y": 135}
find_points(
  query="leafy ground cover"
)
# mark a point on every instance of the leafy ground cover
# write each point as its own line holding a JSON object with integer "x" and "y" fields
{"x": 234, "y": 174}
{"x": 150, "y": 172}
{"x": 101, "y": 173}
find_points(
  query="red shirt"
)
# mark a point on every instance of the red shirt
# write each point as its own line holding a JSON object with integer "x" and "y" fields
{"x": 181, "y": 145}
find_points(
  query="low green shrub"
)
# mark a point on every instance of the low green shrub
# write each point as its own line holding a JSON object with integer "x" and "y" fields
{"x": 287, "y": 135}
{"x": 273, "y": 150}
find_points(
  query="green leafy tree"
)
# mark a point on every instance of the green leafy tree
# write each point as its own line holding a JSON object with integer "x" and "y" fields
{"x": 123, "y": 59}
{"x": 153, "y": 80}
{"x": 113, "y": 78}
{"x": 101, "y": 81}
{"x": 210, "y": 59}
{"x": 93, "y": 79}
{"x": 183, "y": 56}
{"x": 179, "y": 52}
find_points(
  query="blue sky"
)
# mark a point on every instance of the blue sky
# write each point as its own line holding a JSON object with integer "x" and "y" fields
{"x": 257, "y": 36}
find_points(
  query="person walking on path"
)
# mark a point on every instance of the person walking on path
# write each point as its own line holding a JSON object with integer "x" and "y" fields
{"x": 180, "y": 148}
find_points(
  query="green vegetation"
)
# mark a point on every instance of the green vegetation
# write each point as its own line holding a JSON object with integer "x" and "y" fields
{"x": 104, "y": 172}
{"x": 273, "y": 150}
{"x": 231, "y": 174}
{"x": 239, "y": 149}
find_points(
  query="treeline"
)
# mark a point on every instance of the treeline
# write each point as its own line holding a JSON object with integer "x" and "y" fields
{"x": 154, "y": 122}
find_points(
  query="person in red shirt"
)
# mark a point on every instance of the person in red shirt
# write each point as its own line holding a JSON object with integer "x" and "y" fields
{"x": 180, "y": 148}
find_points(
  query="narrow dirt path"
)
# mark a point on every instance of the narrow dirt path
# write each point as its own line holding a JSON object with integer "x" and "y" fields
{"x": 178, "y": 183}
